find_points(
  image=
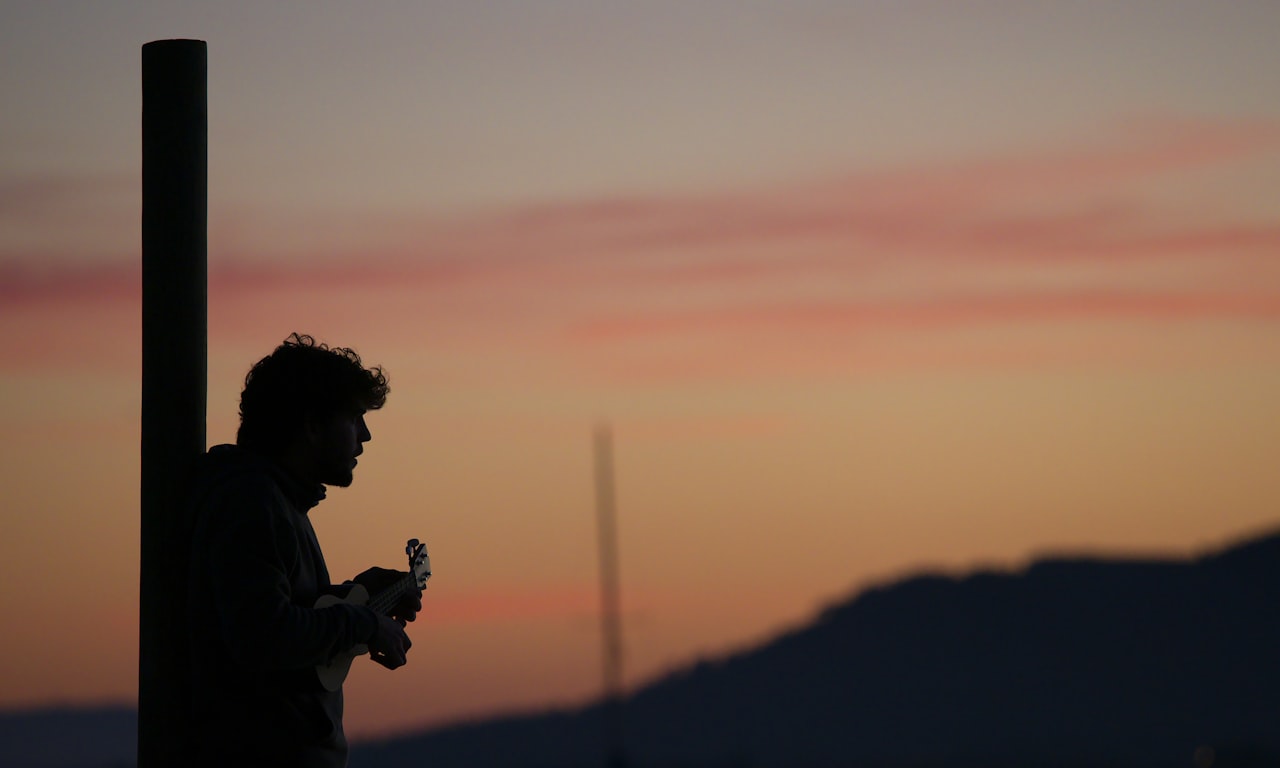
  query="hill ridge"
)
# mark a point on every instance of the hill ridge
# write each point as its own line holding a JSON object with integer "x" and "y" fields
{"x": 1072, "y": 659}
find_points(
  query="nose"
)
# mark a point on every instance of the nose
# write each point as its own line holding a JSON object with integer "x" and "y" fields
{"x": 363, "y": 434}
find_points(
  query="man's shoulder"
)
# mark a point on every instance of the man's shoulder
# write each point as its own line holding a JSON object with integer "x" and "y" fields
{"x": 229, "y": 475}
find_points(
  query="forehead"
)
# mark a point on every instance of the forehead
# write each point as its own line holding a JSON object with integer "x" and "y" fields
{"x": 345, "y": 414}
{"x": 349, "y": 406}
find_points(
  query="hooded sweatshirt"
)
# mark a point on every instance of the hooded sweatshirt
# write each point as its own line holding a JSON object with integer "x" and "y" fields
{"x": 255, "y": 636}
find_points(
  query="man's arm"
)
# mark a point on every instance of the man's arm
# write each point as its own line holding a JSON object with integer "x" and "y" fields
{"x": 376, "y": 580}
{"x": 250, "y": 543}
{"x": 389, "y": 644}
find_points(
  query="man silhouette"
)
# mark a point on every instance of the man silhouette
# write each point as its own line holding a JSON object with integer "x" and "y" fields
{"x": 256, "y": 568}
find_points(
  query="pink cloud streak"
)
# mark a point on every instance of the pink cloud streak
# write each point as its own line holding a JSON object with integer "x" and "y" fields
{"x": 989, "y": 235}
{"x": 920, "y": 315}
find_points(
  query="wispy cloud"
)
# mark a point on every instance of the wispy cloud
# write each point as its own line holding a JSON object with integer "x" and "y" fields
{"x": 65, "y": 221}
{"x": 29, "y": 196}
{"x": 1063, "y": 235}
{"x": 924, "y": 314}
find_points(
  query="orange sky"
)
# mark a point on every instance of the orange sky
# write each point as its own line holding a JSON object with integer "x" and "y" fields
{"x": 835, "y": 345}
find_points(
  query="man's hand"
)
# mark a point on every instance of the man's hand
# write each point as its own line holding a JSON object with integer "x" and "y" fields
{"x": 377, "y": 579}
{"x": 389, "y": 644}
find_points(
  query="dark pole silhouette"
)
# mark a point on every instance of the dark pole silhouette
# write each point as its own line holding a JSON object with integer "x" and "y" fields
{"x": 174, "y": 341}
{"x": 610, "y": 598}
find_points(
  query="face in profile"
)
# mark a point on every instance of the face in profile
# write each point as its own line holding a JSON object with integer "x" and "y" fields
{"x": 338, "y": 440}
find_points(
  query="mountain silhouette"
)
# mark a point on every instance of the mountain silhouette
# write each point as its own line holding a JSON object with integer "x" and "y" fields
{"x": 1070, "y": 662}
{"x": 69, "y": 737}
{"x": 1077, "y": 661}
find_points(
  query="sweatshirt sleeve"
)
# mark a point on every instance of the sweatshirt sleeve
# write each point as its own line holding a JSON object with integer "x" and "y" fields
{"x": 251, "y": 545}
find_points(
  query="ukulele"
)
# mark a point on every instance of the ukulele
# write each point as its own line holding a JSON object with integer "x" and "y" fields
{"x": 333, "y": 672}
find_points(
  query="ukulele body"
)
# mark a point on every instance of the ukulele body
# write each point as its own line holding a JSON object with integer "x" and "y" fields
{"x": 335, "y": 671}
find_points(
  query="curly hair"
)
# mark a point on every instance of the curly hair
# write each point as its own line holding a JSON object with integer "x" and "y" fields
{"x": 303, "y": 379}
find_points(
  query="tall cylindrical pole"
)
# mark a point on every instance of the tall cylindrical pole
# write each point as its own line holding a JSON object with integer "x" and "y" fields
{"x": 174, "y": 341}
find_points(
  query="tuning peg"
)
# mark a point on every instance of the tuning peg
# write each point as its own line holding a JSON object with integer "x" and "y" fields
{"x": 412, "y": 545}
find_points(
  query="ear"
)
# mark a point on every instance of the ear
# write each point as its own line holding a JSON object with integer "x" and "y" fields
{"x": 310, "y": 429}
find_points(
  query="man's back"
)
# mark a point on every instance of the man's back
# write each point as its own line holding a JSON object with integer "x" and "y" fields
{"x": 255, "y": 638}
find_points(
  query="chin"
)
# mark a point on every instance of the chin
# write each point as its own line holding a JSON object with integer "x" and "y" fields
{"x": 340, "y": 480}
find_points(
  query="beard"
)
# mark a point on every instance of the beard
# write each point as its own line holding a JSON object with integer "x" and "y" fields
{"x": 338, "y": 473}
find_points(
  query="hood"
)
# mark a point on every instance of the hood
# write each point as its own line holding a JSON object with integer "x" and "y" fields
{"x": 224, "y": 462}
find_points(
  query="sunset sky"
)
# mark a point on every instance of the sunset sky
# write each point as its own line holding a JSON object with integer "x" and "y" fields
{"x": 862, "y": 287}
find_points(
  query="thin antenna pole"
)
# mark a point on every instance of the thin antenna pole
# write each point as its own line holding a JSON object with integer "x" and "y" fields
{"x": 610, "y": 597}
{"x": 174, "y": 355}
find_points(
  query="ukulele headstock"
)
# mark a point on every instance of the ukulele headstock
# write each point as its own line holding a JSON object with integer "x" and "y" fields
{"x": 419, "y": 562}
